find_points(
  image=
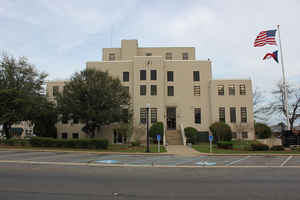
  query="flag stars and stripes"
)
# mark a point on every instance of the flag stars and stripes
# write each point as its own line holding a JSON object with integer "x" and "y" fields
{"x": 265, "y": 37}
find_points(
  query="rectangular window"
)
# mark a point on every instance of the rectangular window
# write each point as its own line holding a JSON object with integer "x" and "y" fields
{"x": 143, "y": 90}
{"x": 220, "y": 90}
{"x": 125, "y": 114}
{"x": 168, "y": 56}
{"x": 245, "y": 135}
{"x": 125, "y": 76}
{"x": 222, "y": 114}
{"x": 153, "y": 75}
{"x": 75, "y": 135}
{"x": 231, "y": 90}
{"x": 185, "y": 56}
{"x": 111, "y": 56}
{"x": 148, "y": 54}
{"x": 196, "y": 75}
{"x": 170, "y": 90}
{"x": 242, "y": 89}
{"x": 234, "y": 135}
{"x": 153, "y": 90}
{"x": 197, "y": 90}
{"x": 153, "y": 115}
{"x": 197, "y": 112}
{"x": 243, "y": 114}
{"x": 170, "y": 76}
{"x": 143, "y": 115}
{"x": 232, "y": 115}
{"x": 64, "y": 135}
{"x": 55, "y": 90}
{"x": 143, "y": 75}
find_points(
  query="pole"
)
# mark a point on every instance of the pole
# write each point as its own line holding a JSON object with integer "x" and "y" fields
{"x": 284, "y": 83}
{"x": 158, "y": 142}
{"x": 210, "y": 146}
{"x": 147, "y": 120}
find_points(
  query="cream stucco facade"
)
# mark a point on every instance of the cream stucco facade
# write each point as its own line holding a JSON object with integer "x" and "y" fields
{"x": 186, "y": 93}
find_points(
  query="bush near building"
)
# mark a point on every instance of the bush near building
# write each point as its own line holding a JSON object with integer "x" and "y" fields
{"x": 225, "y": 145}
{"x": 221, "y": 131}
{"x": 259, "y": 147}
{"x": 191, "y": 135}
{"x": 157, "y": 129}
{"x": 277, "y": 148}
{"x": 262, "y": 131}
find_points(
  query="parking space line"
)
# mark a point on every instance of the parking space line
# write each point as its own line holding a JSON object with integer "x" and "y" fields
{"x": 189, "y": 160}
{"x": 239, "y": 160}
{"x": 286, "y": 160}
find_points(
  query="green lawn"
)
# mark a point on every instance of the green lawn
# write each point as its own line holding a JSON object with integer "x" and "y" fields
{"x": 239, "y": 147}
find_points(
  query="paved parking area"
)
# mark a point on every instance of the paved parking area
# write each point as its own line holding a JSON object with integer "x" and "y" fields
{"x": 149, "y": 160}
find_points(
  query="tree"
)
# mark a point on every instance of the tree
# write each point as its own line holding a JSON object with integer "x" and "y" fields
{"x": 95, "y": 98}
{"x": 156, "y": 129}
{"x": 277, "y": 106}
{"x": 259, "y": 105}
{"x": 262, "y": 131}
{"x": 221, "y": 131}
{"x": 20, "y": 83}
{"x": 191, "y": 134}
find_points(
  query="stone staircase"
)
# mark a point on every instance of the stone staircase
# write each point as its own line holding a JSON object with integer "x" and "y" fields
{"x": 173, "y": 137}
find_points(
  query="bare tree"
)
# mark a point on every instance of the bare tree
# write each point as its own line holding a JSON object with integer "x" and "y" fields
{"x": 259, "y": 110}
{"x": 277, "y": 106}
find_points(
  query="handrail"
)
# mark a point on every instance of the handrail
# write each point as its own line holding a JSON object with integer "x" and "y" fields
{"x": 183, "y": 135}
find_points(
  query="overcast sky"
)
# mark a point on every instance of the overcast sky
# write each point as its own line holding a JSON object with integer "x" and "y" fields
{"x": 60, "y": 36}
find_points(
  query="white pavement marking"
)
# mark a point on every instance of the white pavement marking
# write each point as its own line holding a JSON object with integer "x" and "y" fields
{"x": 284, "y": 162}
{"x": 236, "y": 161}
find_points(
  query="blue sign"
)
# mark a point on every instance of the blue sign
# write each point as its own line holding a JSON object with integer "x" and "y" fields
{"x": 158, "y": 137}
{"x": 210, "y": 138}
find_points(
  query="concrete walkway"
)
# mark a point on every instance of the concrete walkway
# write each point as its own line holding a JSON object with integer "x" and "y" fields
{"x": 182, "y": 150}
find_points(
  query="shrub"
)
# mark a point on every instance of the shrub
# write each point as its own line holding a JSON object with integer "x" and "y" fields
{"x": 136, "y": 143}
{"x": 156, "y": 129}
{"x": 277, "y": 148}
{"x": 225, "y": 145}
{"x": 259, "y": 147}
{"x": 262, "y": 131}
{"x": 221, "y": 131}
{"x": 191, "y": 135}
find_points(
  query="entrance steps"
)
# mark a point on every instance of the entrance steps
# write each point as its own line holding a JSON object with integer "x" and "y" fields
{"x": 181, "y": 150}
{"x": 173, "y": 137}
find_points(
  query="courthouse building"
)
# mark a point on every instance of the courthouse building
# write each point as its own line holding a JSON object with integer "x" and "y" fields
{"x": 180, "y": 90}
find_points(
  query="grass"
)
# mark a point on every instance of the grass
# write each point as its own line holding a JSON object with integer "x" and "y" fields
{"x": 239, "y": 147}
{"x": 121, "y": 148}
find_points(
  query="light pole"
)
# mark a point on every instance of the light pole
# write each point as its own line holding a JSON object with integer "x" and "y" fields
{"x": 147, "y": 121}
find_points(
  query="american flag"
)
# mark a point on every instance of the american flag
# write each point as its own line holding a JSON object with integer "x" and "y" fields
{"x": 265, "y": 37}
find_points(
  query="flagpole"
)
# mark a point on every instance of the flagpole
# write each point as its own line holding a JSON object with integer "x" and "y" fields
{"x": 284, "y": 83}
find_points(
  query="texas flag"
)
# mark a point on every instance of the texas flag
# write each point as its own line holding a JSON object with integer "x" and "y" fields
{"x": 273, "y": 55}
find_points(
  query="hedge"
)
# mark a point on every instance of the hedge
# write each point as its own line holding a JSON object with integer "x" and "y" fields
{"x": 225, "y": 145}
{"x": 277, "y": 148}
{"x": 259, "y": 147}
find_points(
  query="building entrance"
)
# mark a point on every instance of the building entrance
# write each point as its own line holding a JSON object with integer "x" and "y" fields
{"x": 171, "y": 118}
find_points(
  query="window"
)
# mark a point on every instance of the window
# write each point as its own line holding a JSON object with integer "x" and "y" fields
{"x": 125, "y": 114}
{"x": 234, "y": 136}
{"x": 170, "y": 90}
{"x": 148, "y": 54}
{"x": 153, "y": 90}
{"x": 243, "y": 114}
{"x": 64, "y": 135}
{"x": 196, "y": 75}
{"x": 153, "y": 115}
{"x": 220, "y": 90}
{"x": 143, "y": 90}
{"x": 153, "y": 75}
{"x": 119, "y": 138}
{"x": 55, "y": 90}
{"x": 232, "y": 115}
{"x": 222, "y": 114}
{"x": 196, "y": 90}
{"x": 64, "y": 119}
{"x": 242, "y": 89}
{"x": 75, "y": 135}
{"x": 143, "y": 75}
{"x": 125, "y": 76}
{"x": 143, "y": 115}
{"x": 231, "y": 90}
{"x": 111, "y": 56}
{"x": 185, "y": 56}
{"x": 197, "y": 112}
{"x": 168, "y": 56}
{"x": 245, "y": 135}
{"x": 170, "y": 76}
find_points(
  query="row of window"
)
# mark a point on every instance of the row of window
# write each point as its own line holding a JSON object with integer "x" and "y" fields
{"x": 168, "y": 56}
{"x": 231, "y": 90}
{"x": 153, "y": 90}
{"x": 153, "y": 75}
{"x": 74, "y": 136}
{"x": 232, "y": 110}
{"x": 143, "y": 115}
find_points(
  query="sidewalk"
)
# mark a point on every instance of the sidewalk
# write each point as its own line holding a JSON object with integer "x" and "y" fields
{"x": 182, "y": 150}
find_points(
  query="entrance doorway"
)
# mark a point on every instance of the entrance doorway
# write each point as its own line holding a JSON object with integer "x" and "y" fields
{"x": 171, "y": 118}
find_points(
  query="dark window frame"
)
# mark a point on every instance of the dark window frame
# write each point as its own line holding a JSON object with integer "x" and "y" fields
{"x": 221, "y": 91}
{"x": 244, "y": 115}
{"x": 197, "y": 115}
{"x": 171, "y": 91}
{"x": 242, "y": 89}
{"x": 143, "y": 75}
{"x": 196, "y": 76}
{"x": 170, "y": 76}
{"x": 197, "y": 90}
{"x": 153, "y": 74}
{"x": 153, "y": 91}
{"x": 143, "y": 90}
{"x": 153, "y": 114}
{"x": 231, "y": 90}
{"x": 232, "y": 114}
{"x": 126, "y": 77}
{"x": 222, "y": 114}
{"x": 143, "y": 115}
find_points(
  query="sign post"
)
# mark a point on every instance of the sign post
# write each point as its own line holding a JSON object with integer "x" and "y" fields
{"x": 210, "y": 142}
{"x": 158, "y": 143}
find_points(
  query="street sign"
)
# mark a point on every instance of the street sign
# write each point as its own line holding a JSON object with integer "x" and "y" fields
{"x": 158, "y": 137}
{"x": 210, "y": 138}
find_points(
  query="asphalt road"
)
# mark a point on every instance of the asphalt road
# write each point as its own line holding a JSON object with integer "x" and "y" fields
{"x": 49, "y": 182}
